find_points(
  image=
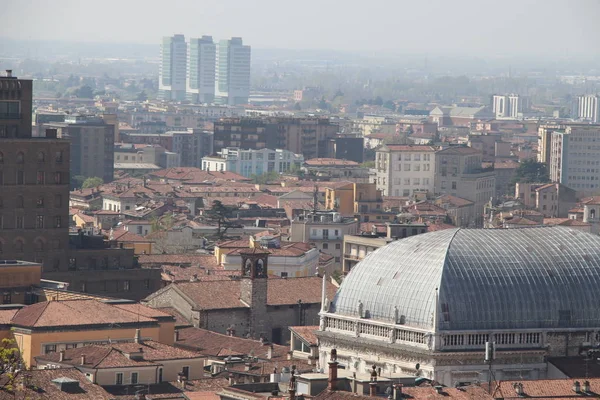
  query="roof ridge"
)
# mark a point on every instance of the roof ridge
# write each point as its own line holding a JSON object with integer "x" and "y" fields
{"x": 40, "y": 314}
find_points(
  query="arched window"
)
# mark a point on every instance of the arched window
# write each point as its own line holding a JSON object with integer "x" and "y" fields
{"x": 20, "y": 157}
{"x": 19, "y": 245}
{"x": 593, "y": 213}
{"x": 39, "y": 244}
{"x": 20, "y": 202}
{"x": 41, "y": 156}
{"x": 1, "y": 246}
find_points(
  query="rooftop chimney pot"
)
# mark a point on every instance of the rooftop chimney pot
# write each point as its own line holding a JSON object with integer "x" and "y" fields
{"x": 83, "y": 359}
{"x": 9, "y": 73}
{"x": 61, "y": 356}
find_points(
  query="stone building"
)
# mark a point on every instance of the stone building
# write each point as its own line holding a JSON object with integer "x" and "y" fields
{"x": 427, "y": 305}
{"x": 252, "y": 305}
{"x": 34, "y": 176}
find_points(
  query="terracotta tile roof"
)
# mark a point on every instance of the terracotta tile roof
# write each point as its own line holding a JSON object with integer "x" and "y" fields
{"x": 564, "y": 222}
{"x": 7, "y": 315}
{"x": 73, "y": 313}
{"x": 456, "y": 150}
{"x": 591, "y": 201}
{"x": 88, "y": 219}
{"x": 116, "y": 355}
{"x": 125, "y": 236}
{"x": 216, "y": 344}
{"x": 190, "y": 175}
{"x": 137, "y": 308}
{"x": 175, "y": 273}
{"x": 416, "y": 393}
{"x": 455, "y": 201}
{"x": 439, "y": 227}
{"x": 225, "y": 294}
{"x": 544, "y": 389}
{"x": 41, "y": 386}
{"x": 409, "y": 147}
{"x": 307, "y": 333}
{"x": 520, "y": 221}
{"x": 202, "y": 395}
{"x": 329, "y": 162}
{"x": 180, "y": 320}
{"x": 287, "y": 249}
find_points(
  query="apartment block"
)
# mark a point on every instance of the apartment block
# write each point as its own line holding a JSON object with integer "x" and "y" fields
{"x": 92, "y": 145}
{"x": 233, "y": 72}
{"x": 509, "y": 105}
{"x": 403, "y": 170}
{"x": 587, "y": 107}
{"x": 172, "y": 68}
{"x": 459, "y": 172}
{"x": 201, "y": 70}
{"x": 253, "y": 162}
{"x": 574, "y": 157}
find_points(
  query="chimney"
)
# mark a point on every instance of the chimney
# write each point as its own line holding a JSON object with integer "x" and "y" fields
{"x": 83, "y": 359}
{"x": 373, "y": 383}
{"x": 138, "y": 336}
{"x": 292, "y": 386}
{"x": 61, "y": 356}
{"x": 176, "y": 336}
{"x": 194, "y": 278}
{"x": 586, "y": 386}
{"x": 518, "y": 388}
{"x": 270, "y": 352}
{"x": 333, "y": 370}
{"x": 9, "y": 73}
{"x": 576, "y": 387}
{"x": 439, "y": 389}
{"x": 398, "y": 391}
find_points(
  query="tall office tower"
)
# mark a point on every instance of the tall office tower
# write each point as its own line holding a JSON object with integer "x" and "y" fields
{"x": 509, "y": 106}
{"x": 201, "y": 70}
{"x": 587, "y": 107}
{"x": 233, "y": 72}
{"x": 34, "y": 183}
{"x": 172, "y": 70}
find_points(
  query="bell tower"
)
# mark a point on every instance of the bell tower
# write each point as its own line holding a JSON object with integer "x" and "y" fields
{"x": 254, "y": 290}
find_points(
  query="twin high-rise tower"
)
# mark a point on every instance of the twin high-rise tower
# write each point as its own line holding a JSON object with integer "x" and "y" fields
{"x": 203, "y": 72}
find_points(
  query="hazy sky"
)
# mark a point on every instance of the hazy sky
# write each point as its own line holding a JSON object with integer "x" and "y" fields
{"x": 505, "y": 27}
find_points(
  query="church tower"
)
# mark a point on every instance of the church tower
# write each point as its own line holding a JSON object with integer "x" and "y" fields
{"x": 254, "y": 290}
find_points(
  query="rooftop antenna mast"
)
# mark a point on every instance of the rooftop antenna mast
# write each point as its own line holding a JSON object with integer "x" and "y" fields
{"x": 315, "y": 199}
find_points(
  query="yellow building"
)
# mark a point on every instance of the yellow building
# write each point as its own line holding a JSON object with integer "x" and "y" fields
{"x": 52, "y": 326}
{"x": 358, "y": 199}
{"x": 17, "y": 278}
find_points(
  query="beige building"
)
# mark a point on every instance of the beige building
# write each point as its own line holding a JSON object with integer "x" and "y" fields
{"x": 403, "y": 170}
{"x": 551, "y": 199}
{"x": 459, "y": 172}
{"x": 326, "y": 231}
{"x": 370, "y": 124}
{"x": 575, "y": 157}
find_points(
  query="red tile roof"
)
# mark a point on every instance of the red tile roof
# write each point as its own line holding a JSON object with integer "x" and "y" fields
{"x": 329, "y": 162}
{"x": 410, "y": 147}
{"x": 544, "y": 389}
{"x": 218, "y": 345}
{"x": 72, "y": 313}
{"x": 40, "y": 386}
{"x": 307, "y": 333}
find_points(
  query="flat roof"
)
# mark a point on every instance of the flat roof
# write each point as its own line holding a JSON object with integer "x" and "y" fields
{"x": 17, "y": 262}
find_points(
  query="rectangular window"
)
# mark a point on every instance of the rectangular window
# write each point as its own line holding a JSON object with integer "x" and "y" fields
{"x": 134, "y": 378}
{"x": 20, "y": 222}
{"x": 49, "y": 348}
{"x": 58, "y": 178}
{"x": 58, "y": 222}
{"x": 126, "y": 286}
{"x": 147, "y": 283}
{"x": 453, "y": 185}
{"x": 6, "y": 298}
{"x": 71, "y": 346}
{"x": 72, "y": 264}
{"x": 41, "y": 178}
{"x": 20, "y": 178}
{"x": 39, "y": 222}
{"x": 119, "y": 378}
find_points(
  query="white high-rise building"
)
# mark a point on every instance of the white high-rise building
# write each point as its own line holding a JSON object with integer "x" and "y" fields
{"x": 201, "y": 70}
{"x": 587, "y": 107}
{"x": 233, "y": 72}
{"x": 509, "y": 106}
{"x": 172, "y": 70}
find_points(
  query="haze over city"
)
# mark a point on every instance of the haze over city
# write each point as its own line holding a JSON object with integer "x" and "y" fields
{"x": 324, "y": 200}
{"x": 510, "y": 27}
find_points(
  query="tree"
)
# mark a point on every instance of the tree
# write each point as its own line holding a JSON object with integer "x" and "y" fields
{"x": 378, "y": 101}
{"x": 389, "y": 104}
{"x": 265, "y": 178}
{"x": 84, "y": 92}
{"x": 297, "y": 107}
{"x": 323, "y": 104}
{"x": 530, "y": 171}
{"x": 92, "y": 182}
{"x": 219, "y": 215}
{"x": 142, "y": 96}
{"x": 10, "y": 361}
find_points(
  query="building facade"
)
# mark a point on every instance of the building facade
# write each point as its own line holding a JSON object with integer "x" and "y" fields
{"x": 15, "y": 106}
{"x": 587, "y": 107}
{"x": 459, "y": 172}
{"x": 253, "y": 162}
{"x": 421, "y": 306}
{"x": 403, "y": 170}
{"x": 509, "y": 105}
{"x": 92, "y": 145}
{"x": 200, "y": 83}
{"x": 172, "y": 68}
{"x": 233, "y": 72}
{"x": 575, "y": 157}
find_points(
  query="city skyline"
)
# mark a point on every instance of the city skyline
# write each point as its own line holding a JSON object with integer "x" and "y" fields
{"x": 514, "y": 28}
